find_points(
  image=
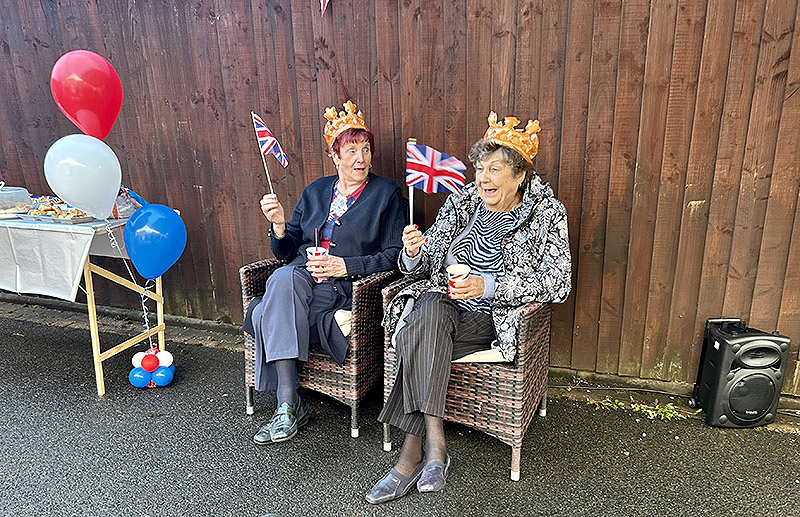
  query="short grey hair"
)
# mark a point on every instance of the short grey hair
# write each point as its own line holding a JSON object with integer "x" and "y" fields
{"x": 519, "y": 165}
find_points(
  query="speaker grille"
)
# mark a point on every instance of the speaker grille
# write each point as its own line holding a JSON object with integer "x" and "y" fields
{"x": 752, "y": 396}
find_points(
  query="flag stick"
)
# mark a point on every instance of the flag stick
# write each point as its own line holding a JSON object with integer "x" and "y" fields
{"x": 410, "y": 189}
{"x": 410, "y": 204}
{"x": 264, "y": 161}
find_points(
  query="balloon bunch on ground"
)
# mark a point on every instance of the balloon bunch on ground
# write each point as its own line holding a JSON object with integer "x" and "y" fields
{"x": 152, "y": 368}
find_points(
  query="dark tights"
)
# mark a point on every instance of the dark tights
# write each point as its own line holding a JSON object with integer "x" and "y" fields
{"x": 288, "y": 382}
{"x": 411, "y": 455}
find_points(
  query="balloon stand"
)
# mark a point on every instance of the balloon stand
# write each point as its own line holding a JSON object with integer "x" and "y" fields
{"x": 152, "y": 368}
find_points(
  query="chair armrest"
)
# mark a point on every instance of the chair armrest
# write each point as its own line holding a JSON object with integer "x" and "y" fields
{"x": 253, "y": 278}
{"x": 533, "y": 339}
{"x": 367, "y": 309}
{"x": 395, "y": 287}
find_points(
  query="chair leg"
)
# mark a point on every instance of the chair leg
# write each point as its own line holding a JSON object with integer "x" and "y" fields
{"x": 354, "y": 421}
{"x": 543, "y": 405}
{"x": 248, "y": 395}
{"x": 516, "y": 452}
{"x": 387, "y": 438}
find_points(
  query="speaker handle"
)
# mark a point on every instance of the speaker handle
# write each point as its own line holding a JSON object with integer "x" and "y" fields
{"x": 725, "y": 323}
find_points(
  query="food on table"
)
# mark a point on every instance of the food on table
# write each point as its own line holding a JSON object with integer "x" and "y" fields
{"x": 55, "y": 211}
{"x": 16, "y": 209}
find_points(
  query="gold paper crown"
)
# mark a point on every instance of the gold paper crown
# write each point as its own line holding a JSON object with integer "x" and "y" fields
{"x": 349, "y": 118}
{"x": 525, "y": 142}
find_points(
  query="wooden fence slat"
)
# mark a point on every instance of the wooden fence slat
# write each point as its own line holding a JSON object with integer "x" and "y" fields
{"x": 780, "y": 227}
{"x": 645, "y": 194}
{"x": 504, "y": 48}
{"x": 627, "y": 108}
{"x": 389, "y": 139}
{"x": 762, "y": 131}
{"x": 677, "y": 138}
{"x": 600, "y": 126}
{"x": 572, "y": 162}
{"x": 727, "y": 168}
{"x": 681, "y": 347}
{"x": 553, "y": 41}
{"x": 478, "y": 68}
{"x": 456, "y": 140}
{"x": 307, "y": 118}
{"x": 528, "y": 59}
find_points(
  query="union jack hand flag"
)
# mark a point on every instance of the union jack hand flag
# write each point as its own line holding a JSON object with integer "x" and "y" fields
{"x": 322, "y": 5}
{"x": 267, "y": 141}
{"x": 432, "y": 171}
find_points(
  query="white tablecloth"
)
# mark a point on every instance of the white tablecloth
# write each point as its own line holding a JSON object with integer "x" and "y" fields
{"x": 48, "y": 258}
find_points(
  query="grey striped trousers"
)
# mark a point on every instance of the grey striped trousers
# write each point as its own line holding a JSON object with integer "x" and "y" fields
{"x": 436, "y": 332}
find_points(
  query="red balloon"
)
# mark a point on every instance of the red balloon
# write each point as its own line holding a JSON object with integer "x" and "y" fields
{"x": 150, "y": 363}
{"x": 88, "y": 91}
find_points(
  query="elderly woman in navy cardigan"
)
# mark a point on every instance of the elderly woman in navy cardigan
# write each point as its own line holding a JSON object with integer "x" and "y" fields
{"x": 358, "y": 217}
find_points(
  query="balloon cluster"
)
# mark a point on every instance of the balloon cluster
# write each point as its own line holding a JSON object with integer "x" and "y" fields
{"x": 84, "y": 171}
{"x": 151, "y": 368}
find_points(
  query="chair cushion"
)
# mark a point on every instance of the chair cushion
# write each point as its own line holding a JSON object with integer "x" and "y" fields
{"x": 482, "y": 356}
{"x": 343, "y": 318}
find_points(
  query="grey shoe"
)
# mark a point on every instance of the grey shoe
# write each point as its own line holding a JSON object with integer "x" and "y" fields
{"x": 263, "y": 436}
{"x": 434, "y": 476}
{"x": 287, "y": 420}
{"x": 393, "y": 486}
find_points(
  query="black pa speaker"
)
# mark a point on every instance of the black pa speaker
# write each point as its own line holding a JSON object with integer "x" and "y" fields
{"x": 741, "y": 374}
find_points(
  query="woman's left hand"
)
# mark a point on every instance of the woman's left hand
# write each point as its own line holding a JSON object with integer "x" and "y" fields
{"x": 469, "y": 288}
{"x": 326, "y": 266}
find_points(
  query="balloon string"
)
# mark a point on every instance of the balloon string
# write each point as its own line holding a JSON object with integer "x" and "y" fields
{"x": 149, "y": 284}
{"x": 115, "y": 245}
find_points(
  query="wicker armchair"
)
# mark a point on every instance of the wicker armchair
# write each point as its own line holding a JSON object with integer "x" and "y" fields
{"x": 498, "y": 399}
{"x": 362, "y": 366}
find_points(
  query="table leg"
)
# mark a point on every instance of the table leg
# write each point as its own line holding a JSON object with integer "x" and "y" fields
{"x": 98, "y": 364}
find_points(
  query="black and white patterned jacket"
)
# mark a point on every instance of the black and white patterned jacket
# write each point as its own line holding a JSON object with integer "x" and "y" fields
{"x": 536, "y": 260}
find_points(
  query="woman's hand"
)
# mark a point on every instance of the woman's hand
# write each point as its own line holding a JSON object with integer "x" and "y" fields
{"x": 273, "y": 211}
{"x": 413, "y": 240}
{"x": 324, "y": 266}
{"x": 469, "y": 288}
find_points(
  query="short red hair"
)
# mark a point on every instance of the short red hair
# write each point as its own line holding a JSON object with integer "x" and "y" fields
{"x": 352, "y": 135}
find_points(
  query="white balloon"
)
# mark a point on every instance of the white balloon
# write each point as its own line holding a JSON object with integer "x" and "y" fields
{"x": 164, "y": 358}
{"x": 84, "y": 172}
{"x": 137, "y": 359}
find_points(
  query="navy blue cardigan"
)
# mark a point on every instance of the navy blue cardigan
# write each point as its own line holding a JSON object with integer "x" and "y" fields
{"x": 368, "y": 236}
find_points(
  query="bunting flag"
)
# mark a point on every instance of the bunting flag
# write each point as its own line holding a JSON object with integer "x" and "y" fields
{"x": 432, "y": 171}
{"x": 322, "y": 5}
{"x": 267, "y": 141}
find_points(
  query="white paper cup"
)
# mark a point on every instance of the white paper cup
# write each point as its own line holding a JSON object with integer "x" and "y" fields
{"x": 316, "y": 251}
{"x": 456, "y": 272}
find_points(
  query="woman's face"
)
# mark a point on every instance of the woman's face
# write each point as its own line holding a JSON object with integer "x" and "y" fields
{"x": 497, "y": 185}
{"x": 353, "y": 161}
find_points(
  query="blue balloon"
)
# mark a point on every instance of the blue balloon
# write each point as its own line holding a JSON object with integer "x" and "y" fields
{"x": 172, "y": 367}
{"x": 162, "y": 376}
{"x": 155, "y": 238}
{"x": 139, "y": 377}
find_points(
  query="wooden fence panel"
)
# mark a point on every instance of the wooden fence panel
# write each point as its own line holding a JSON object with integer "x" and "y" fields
{"x": 669, "y": 131}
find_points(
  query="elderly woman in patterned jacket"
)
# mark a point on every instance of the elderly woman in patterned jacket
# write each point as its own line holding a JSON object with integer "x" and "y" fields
{"x": 356, "y": 218}
{"x": 512, "y": 233}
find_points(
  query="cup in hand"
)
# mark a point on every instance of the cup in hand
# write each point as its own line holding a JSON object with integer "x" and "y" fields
{"x": 456, "y": 272}
{"x": 316, "y": 251}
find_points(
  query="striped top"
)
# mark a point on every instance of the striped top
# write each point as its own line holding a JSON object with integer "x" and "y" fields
{"x": 479, "y": 247}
